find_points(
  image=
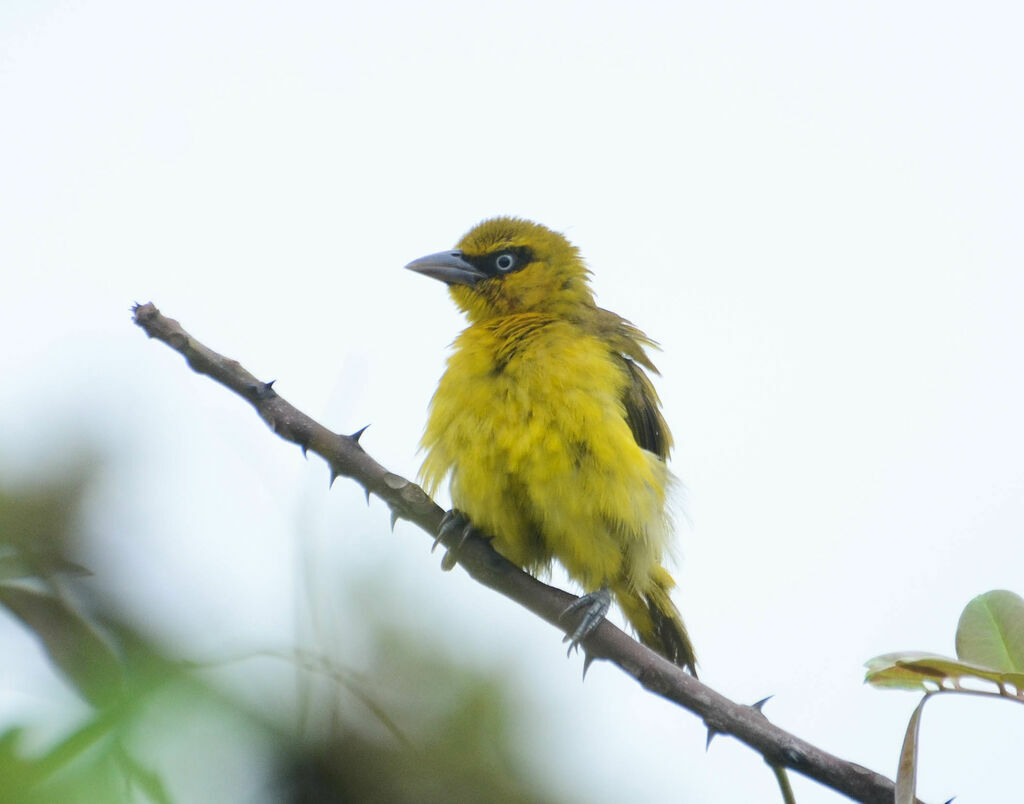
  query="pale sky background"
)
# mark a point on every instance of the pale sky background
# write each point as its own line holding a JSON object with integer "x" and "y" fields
{"x": 815, "y": 207}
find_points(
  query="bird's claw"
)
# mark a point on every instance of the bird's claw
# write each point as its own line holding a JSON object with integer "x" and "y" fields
{"x": 453, "y": 524}
{"x": 594, "y": 606}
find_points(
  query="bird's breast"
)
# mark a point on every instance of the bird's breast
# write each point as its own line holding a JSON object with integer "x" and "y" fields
{"x": 528, "y": 421}
{"x": 527, "y": 395}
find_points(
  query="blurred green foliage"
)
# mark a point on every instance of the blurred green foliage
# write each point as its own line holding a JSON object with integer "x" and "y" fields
{"x": 431, "y": 731}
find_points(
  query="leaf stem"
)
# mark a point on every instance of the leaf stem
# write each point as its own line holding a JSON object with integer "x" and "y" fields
{"x": 784, "y": 786}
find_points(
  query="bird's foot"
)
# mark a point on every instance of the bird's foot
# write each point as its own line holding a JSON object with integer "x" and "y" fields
{"x": 454, "y": 524}
{"x": 594, "y": 606}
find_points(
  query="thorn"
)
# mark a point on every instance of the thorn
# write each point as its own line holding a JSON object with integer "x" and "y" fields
{"x": 305, "y": 450}
{"x": 588, "y": 659}
{"x": 760, "y": 704}
{"x": 712, "y": 733}
{"x": 367, "y": 495}
{"x": 394, "y": 519}
{"x": 358, "y": 433}
{"x": 263, "y": 390}
{"x": 334, "y": 476}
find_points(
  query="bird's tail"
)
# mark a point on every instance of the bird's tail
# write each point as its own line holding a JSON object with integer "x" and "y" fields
{"x": 657, "y": 621}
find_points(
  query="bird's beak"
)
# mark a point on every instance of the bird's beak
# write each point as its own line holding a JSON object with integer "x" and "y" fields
{"x": 449, "y": 267}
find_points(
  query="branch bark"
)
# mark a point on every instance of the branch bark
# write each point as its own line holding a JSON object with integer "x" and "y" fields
{"x": 346, "y": 457}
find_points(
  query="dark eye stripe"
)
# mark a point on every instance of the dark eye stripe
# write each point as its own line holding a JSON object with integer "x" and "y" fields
{"x": 488, "y": 263}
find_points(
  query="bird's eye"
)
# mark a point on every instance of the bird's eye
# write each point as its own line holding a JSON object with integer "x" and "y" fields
{"x": 505, "y": 262}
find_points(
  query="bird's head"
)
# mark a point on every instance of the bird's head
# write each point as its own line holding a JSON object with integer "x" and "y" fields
{"x": 505, "y": 266}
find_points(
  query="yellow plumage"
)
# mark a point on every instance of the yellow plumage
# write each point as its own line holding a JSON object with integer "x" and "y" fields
{"x": 548, "y": 427}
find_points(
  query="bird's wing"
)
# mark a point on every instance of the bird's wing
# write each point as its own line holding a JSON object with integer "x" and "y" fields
{"x": 643, "y": 412}
{"x": 640, "y": 400}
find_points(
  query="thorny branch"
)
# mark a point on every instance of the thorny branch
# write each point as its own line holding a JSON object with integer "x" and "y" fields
{"x": 347, "y": 458}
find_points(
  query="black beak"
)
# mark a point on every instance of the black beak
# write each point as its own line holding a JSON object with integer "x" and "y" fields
{"x": 449, "y": 267}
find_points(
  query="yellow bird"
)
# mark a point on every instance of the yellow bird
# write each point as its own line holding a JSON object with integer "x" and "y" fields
{"x": 549, "y": 429}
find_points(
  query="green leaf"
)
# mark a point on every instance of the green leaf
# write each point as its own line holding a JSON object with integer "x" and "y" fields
{"x": 21, "y": 566}
{"x": 906, "y": 773}
{"x": 73, "y": 645}
{"x": 900, "y": 671}
{"x": 929, "y": 672}
{"x": 151, "y": 784}
{"x": 991, "y": 632}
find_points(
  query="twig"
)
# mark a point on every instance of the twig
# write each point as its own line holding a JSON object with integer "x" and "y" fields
{"x": 408, "y": 501}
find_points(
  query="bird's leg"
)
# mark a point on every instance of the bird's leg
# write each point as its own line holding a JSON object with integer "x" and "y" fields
{"x": 594, "y": 607}
{"x": 453, "y": 523}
